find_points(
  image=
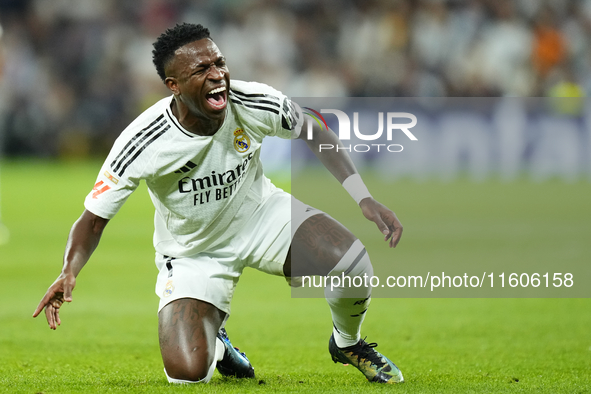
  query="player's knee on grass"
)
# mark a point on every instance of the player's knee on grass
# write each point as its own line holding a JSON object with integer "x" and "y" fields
{"x": 197, "y": 374}
{"x": 187, "y": 330}
{"x": 206, "y": 379}
{"x": 199, "y": 371}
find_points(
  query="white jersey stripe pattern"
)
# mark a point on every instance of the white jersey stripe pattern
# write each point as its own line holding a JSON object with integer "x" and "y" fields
{"x": 132, "y": 140}
{"x": 141, "y": 149}
{"x": 248, "y": 95}
{"x": 256, "y": 104}
{"x": 124, "y": 154}
{"x": 250, "y": 98}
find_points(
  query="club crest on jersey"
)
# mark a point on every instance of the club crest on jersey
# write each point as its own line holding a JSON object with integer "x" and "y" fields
{"x": 168, "y": 289}
{"x": 241, "y": 140}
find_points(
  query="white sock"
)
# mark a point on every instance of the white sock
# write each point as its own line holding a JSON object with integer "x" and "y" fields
{"x": 220, "y": 349}
{"x": 349, "y": 303}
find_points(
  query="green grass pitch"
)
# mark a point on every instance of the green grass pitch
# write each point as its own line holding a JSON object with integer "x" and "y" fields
{"x": 108, "y": 340}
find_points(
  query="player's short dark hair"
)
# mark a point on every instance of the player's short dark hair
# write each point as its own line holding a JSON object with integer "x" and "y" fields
{"x": 171, "y": 40}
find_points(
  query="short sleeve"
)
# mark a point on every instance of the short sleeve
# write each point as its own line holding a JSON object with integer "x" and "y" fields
{"x": 118, "y": 178}
{"x": 109, "y": 193}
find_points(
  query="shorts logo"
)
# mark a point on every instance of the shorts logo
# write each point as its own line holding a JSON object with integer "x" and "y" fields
{"x": 168, "y": 289}
{"x": 241, "y": 140}
{"x": 99, "y": 189}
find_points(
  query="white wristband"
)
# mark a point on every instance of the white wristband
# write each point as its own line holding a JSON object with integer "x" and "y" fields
{"x": 356, "y": 188}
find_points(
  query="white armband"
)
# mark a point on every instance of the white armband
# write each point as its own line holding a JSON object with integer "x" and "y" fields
{"x": 356, "y": 188}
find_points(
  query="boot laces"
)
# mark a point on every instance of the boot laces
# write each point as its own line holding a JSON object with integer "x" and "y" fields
{"x": 366, "y": 351}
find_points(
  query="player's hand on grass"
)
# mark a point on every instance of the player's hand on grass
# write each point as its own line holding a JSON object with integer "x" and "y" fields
{"x": 384, "y": 218}
{"x": 58, "y": 292}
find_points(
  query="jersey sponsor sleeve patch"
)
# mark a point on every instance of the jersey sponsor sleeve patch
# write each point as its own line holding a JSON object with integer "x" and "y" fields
{"x": 110, "y": 177}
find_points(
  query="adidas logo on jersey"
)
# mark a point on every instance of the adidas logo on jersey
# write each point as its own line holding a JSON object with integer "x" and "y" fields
{"x": 186, "y": 168}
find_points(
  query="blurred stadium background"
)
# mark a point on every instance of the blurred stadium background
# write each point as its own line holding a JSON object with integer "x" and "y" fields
{"x": 75, "y": 72}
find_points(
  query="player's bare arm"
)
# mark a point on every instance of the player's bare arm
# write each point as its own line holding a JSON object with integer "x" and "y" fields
{"x": 83, "y": 239}
{"x": 340, "y": 165}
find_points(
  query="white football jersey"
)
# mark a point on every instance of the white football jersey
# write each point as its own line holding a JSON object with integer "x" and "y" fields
{"x": 204, "y": 188}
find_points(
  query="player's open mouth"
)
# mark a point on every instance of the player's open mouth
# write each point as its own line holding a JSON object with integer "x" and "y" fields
{"x": 217, "y": 98}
